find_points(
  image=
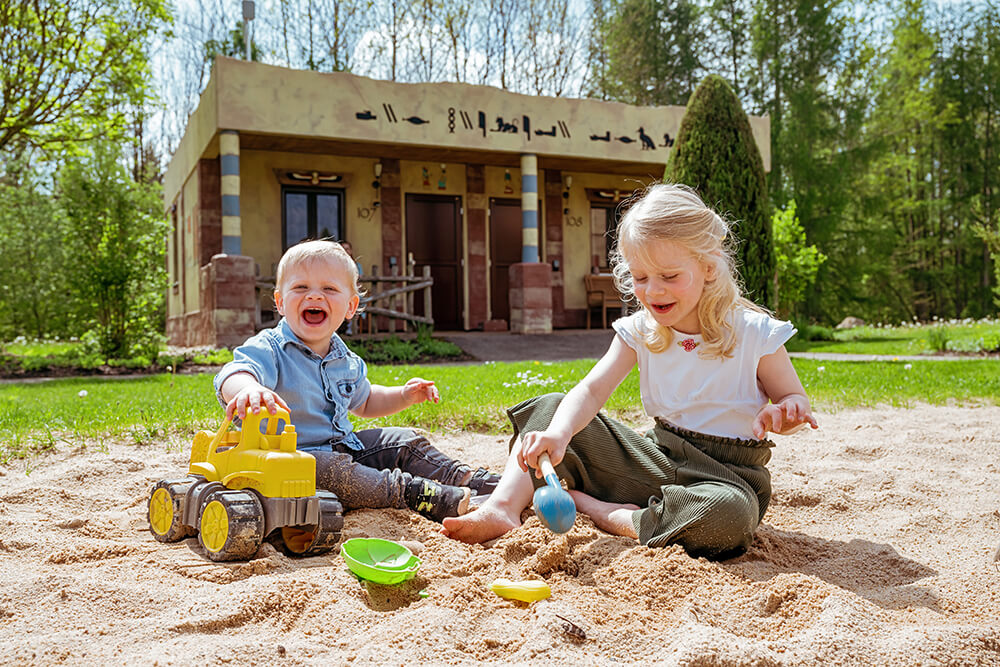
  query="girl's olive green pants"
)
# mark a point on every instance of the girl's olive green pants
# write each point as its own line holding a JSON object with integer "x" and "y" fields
{"x": 704, "y": 492}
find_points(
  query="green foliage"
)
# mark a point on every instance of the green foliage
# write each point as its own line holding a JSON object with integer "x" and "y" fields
{"x": 116, "y": 229}
{"x": 715, "y": 153}
{"x": 234, "y": 46}
{"x": 990, "y": 342}
{"x": 651, "y": 55}
{"x": 925, "y": 179}
{"x": 937, "y": 338}
{"x": 32, "y": 279}
{"x": 730, "y": 40}
{"x": 811, "y": 332}
{"x": 797, "y": 46}
{"x": 215, "y": 357}
{"x": 398, "y": 350}
{"x": 797, "y": 263}
{"x": 70, "y": 68}
{"x": 883, "y": 130}
{"x": 394, "y": 350}
{"x": 23, "y": 357}
{"x": 991, "y": 238}
{"x": 435, "y": 348}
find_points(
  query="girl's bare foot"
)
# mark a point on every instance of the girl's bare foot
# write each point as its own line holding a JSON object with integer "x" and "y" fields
{"x": 612, "y": 518}
{"x": 483, "y": 524}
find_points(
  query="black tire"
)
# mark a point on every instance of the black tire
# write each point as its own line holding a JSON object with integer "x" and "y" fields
{"x": 231, "y": 525}
{"x": 165, "y": 509}
{"x": 303, "y": 541}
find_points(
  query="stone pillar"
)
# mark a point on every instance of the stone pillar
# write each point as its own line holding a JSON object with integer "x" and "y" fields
{"x": 530, "y": 281}
{"x": 208, "y": 232}
{"x": 228, "y": 301}
{"x": 530, "y": 298}
{"x": 554, "y": 217}
{"x": 391, "y": 196}
{"x": 475, "y": 188}
{"x": 391, "y": 213}
{"x": 229, "y": 159}
{"x": 529, "y": 208}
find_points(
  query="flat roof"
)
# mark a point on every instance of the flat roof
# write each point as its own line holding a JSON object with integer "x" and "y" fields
{"x": 276, "y": 108}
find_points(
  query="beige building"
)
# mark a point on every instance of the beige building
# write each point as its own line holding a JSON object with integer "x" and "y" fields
{"x": 507, "y": 198}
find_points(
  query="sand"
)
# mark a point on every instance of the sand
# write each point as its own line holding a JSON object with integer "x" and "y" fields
{"x": 877, "y": 550}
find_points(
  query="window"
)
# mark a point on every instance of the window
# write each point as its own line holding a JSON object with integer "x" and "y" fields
{"x": 310, "y": 213}
{"x": 175, "y": 250}
{"x": 603, "y": 231}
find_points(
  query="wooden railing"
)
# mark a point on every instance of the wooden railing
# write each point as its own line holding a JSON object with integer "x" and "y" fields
{"x": 392, "y": 297}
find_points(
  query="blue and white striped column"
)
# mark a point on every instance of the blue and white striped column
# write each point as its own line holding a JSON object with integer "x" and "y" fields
{"x": 229, "y": 157}
{"x": 529, "y": 208}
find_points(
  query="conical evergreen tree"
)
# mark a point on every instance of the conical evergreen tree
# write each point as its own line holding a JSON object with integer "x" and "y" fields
{"x": 715, "y": 153}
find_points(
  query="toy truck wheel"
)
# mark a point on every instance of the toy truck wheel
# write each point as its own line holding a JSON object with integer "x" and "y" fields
{"x": 165, "y": 509}
{"x": 315, "y": 540}
{"x": 231, "y": 525}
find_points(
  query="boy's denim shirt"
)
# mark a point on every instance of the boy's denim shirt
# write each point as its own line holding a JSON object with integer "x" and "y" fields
{"x": 319, "y": 391}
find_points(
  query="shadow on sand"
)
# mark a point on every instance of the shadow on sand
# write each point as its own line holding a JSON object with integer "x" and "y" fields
{"x": 876, "y": 572}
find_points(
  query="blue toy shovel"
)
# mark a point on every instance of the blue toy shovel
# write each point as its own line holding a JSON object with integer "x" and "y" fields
{"x": 554, "y": 507}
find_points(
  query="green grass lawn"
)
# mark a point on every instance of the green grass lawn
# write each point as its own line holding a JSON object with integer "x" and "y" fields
{"x": 954, "y": 336}
{"x": 39, "y": 416}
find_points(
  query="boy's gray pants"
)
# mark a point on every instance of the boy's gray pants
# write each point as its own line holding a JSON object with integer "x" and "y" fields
{"x": 377, "y": 475}
{"x": 704, "y": 492}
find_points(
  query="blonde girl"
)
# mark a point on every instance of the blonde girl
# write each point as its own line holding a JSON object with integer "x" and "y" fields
{"x": 714, "y": 374}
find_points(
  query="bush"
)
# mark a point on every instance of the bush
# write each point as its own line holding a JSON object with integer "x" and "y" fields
{"x": 394, "y": 350}
{"x": 814, "y": 332}
{"x": 32, "y": 273}
{"x": 116, "y": 228}
{"x": 716, "y": 154}
{"x": 797, "y": 263}
{"x": 434, "y": 347}
{"x": 937, "y": 338}
{"x": 990, "y": 342}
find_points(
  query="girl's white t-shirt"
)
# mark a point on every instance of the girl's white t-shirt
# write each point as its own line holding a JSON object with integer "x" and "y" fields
{"x": 714, "y": 396}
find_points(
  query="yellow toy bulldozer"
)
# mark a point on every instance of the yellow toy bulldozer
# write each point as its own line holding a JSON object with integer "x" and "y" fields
{"x": 245, "y": 486}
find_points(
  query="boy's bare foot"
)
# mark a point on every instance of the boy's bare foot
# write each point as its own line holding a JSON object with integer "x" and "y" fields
{"x": 481, "y": 525}
{"x": 612, "y": 518}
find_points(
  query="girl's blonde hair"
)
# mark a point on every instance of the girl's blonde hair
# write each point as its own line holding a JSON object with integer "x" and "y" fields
{"x": 672, "y": 212}
{"x": 327, "y": 251}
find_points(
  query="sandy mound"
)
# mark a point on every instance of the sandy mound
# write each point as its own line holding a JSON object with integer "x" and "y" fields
{"x": 877, "y": 549}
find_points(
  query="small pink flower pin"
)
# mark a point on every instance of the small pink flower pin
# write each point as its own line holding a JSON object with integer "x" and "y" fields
{"x": 688, "y": 344}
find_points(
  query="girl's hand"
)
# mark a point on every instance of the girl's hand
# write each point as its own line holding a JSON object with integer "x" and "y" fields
{"x": 534, "y": 443}
{"x": 785, "y": 417}
{"x": 252, "y": 396}
{"x": 417, "y": 390}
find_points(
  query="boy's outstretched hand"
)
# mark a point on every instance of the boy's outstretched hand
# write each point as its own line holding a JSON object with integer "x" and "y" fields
{"x": 417, "y": 390}
{"x": 252, "y": 397}
{"x": 785, "y": 417}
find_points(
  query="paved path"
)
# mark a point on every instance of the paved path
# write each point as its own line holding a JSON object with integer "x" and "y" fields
{"x": 561, "y": 345}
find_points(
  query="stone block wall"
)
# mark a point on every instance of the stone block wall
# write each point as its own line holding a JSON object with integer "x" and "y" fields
{"x": 227, "y": 305}
{"x": 530, "y": 298}
{"x": 228, "y": 299}
{"x": 476, "y": 206}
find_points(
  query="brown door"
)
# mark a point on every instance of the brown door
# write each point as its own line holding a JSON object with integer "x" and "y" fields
{"x": 434, "y": 238}
{"x": 505, "y": 249}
